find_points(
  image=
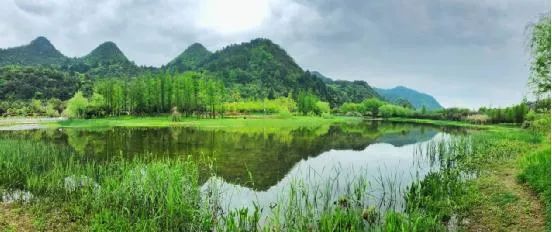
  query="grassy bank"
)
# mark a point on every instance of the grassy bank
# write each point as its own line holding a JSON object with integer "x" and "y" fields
{"x": 255, "y": 121}
{"x": 440, "y": 123}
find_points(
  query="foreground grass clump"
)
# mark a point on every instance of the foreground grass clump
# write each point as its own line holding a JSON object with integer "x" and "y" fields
{"x": 536, "y": 173}
{"x": 120, "y": 195}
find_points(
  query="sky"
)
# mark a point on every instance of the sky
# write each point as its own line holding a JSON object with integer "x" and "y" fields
{"x": 466, "y": 53}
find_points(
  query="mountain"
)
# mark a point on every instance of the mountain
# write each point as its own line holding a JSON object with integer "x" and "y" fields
{"x": 260, "y": 69}
{"x": 189, "y": 59}
{"x": 347, "y": 91}
{"x": 39, "y": 52}
{"x": 106, "y": 53}
{"x": 417, "y": 99}
{"x": 324, "y": 79}
{"x": 106, "y": 60}
{"x": 255, "y": 69}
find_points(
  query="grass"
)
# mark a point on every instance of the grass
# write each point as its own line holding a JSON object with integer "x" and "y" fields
{"x": 441, "y": 123}
{"x": 254, "y": 121}
{"x": 536, "y": 173}
{"x": 119, "y": 195}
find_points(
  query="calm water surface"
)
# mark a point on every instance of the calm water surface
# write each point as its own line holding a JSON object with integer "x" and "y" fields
{"x": 260, "y": 165}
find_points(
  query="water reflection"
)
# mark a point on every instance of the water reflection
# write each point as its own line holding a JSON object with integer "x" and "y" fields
{"x": 257, "y": 159}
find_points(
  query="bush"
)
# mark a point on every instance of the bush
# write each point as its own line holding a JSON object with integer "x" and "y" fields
{"x": 478, "y": 118}
{"x": 284, "y": 114}
{"x": 76, "y": 106}
{"x": 327, "y": 115}
{"x": 389, "y": 110}
{"x": 322, "y": 108}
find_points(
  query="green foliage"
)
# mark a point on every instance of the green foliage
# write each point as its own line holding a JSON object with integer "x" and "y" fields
{"x": 261, "y": 69}
{"x": 389, "y": 110}
{"x": 193, "y": 93}
{"x": 536, "y": 172}
{"x": 281, "y": 104}
{"x": 306, "y": 103}
{"x": 188, "y": 60}
{"x": 514, "y": 114}
{"x": 349, "y": 107}
{"x": 76, "y": 106}
{"x": 25, "y": 83}
{"x": 106, "y": 60}
{"x": 257, "y": 69}
{"x": 322, "y": 107}
{"x": 349, "y": 91}
{"x": 454, "y": 113}
{"x": 372, "y": 105}
{"x": 39, "y": 52}
{"x": 540, "y": 51}
{"x": 142, "y": 194}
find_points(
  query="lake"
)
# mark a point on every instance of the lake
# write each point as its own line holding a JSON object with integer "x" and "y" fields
{"x": 261, "y": 166}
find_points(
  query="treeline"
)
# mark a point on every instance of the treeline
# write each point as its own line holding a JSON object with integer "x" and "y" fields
{"x": 191, "y": 93}
{"x": 374, "y": 107}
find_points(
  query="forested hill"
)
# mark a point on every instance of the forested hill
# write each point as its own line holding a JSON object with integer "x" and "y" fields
{"x": 106, "y": 60}
{"x": 255, "y": 69}
{"x": 417, "y": 99}
{"x": 107, "y": 52}
{"x": 39, "y": 52}
{"x": 189, "y": 59}
{"x": 263, "y": 69}
{"x": 347, "y": 91}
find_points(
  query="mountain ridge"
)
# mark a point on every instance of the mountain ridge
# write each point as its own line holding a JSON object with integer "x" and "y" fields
{"x": 257, "y": 69}
{"x": 189, "y": 59}
{"x": 416, "y": 98}
{"x": 39, "y": 51}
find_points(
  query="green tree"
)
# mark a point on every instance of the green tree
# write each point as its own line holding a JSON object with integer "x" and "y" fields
{"x": 76, "y": 106}
{"x": 372, "y": 105}
{"x": 322, "y": 108}
{"x": 540, "y": 52}
{"x": 306, "y": 103}
{"x": 96, "y": 105}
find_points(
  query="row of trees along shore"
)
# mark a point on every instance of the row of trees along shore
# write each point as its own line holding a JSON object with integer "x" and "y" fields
{"x": 189, "y": 94}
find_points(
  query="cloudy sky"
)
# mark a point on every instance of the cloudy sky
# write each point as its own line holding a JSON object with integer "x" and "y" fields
{"x": 466, "y": 53}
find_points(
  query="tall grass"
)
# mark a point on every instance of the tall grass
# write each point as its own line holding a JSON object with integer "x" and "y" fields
{"x": 119, "y": 195}
{"x": 536, "y": 173}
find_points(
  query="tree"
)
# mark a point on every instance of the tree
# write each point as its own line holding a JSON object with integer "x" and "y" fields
{"x": 540, "y": 52}
{"x": 306, "y": 103}
{"x": 76, "y": 106}
{"x": 96, "y": 105}
{"x": 372, "y": 105}
{"x": 322, "y": 108}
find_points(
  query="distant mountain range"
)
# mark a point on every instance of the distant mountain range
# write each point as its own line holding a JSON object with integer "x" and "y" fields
{"x": 417, "y": 99}
{"x": 395, "y": 95}
{"x": 255, "y": 69}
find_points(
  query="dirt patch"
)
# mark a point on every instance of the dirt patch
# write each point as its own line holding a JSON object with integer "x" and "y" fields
{"x": 505, "y": 204}
{"x": 14, "y": 218}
